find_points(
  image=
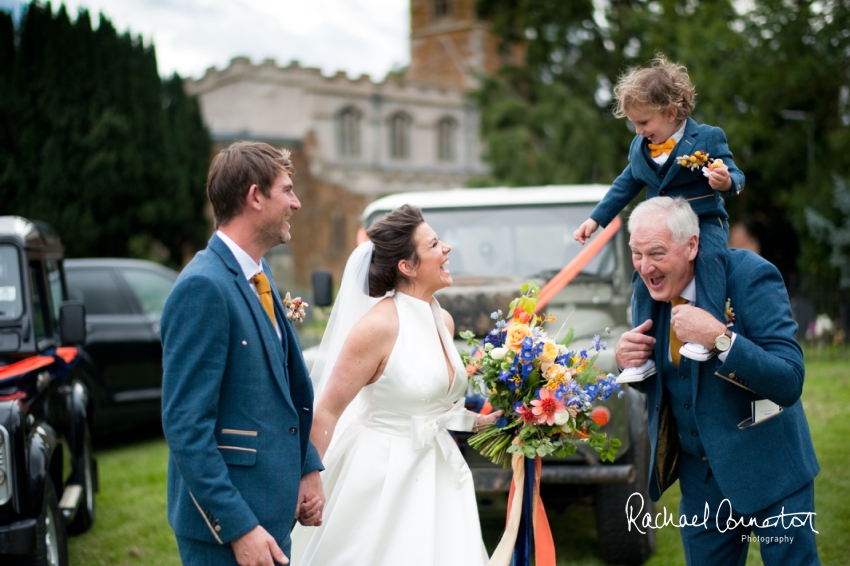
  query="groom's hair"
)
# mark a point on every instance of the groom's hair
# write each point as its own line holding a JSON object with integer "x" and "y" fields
{"x": 392, "y": 237}
{"x": 236, "y": 168}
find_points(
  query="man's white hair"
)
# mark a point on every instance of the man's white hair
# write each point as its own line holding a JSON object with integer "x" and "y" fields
{"x": 682, "y": 221}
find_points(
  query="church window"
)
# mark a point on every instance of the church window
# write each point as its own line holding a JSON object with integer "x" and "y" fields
{"x": 442, "y": 8}
{"x": 348, "y": 132}
{"x": 446, "y": 139}
{"x": 400, "y": 123}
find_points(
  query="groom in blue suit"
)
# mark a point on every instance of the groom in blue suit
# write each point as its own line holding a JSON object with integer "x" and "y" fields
{"x": 732, "y": 429}
{"x": 237, "y": 399}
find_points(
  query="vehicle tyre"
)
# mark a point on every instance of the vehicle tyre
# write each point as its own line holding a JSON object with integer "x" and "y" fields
{"x": 85, "y": 474}
{"x": 618, "y": 544}
{"x": 51, "y": 540}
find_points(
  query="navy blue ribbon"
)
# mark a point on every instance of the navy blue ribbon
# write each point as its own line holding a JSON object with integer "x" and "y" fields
{"x": 525, "y": 535}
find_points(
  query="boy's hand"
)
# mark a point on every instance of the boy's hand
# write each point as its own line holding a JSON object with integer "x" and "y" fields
{"x": 719, "y": 180}
{"x": 588, "y": 228}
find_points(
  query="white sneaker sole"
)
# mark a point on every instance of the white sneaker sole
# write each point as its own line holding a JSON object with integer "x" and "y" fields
{"x": 701, "y": 355}
{"x": 633, "y": 377}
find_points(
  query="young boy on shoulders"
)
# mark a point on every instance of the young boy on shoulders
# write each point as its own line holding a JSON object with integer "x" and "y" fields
{"x": 672, "y": 155}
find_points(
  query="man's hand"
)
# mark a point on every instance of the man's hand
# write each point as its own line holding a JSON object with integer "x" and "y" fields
{"x": 635, "y": 347}
{"x": 719, "y": 180}
{"x": 311, "y": 500}
{"x": 586, "y": 230}
{"x": 694, "y": 325}
{"x": 257, "y": 548}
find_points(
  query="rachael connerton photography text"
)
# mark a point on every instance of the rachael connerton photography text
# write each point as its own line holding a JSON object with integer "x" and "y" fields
{"x": 724, "y": 518}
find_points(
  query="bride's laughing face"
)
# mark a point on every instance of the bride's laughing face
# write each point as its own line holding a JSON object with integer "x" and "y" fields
{"x": 432, "y": 271}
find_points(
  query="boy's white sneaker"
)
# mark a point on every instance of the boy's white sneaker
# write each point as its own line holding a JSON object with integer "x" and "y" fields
{"x": 696, "y": 352}
{"x": 631, "y": 375}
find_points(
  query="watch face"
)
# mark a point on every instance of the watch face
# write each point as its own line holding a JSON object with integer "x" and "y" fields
{"x": 722, "y": 342}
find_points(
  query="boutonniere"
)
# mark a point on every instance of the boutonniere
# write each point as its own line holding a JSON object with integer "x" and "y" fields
{"x": 693, "y": 162}
{"x": 700, "y": 160}
{"x": 295, "y": 308}
{"x": 729, "y": 313}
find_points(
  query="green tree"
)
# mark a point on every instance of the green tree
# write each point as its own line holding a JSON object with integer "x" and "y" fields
{"x": 100, "y": 146}
{"x": 549, "y": 121}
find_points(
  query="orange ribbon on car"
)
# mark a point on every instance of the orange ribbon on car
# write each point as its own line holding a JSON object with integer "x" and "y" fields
{"x": 548, "y": 292}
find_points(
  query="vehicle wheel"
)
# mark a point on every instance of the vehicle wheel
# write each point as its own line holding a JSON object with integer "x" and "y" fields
{"x": 84, "y": 474}
{"x": 51, "y": 547}
{"x": 617, "y": 544}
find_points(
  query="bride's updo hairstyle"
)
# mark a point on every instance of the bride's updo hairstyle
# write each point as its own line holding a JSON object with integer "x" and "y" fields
{"x": 392, "y": 237}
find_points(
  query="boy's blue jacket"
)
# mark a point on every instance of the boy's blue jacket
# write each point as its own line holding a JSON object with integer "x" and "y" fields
{"x": 674, "y": 180}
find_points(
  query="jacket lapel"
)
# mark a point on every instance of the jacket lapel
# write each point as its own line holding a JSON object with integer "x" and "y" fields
{"x": 685, "y": 146}
{"x": 271, "y": 345}
{"x": 643, "y": 170}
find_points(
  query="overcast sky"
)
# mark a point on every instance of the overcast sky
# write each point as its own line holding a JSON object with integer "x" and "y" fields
{"x": 356, "y": 36}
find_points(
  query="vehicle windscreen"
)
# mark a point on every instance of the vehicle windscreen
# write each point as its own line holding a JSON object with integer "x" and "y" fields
{"x": 516, "y": 242}
{"x": 11, "y": 302}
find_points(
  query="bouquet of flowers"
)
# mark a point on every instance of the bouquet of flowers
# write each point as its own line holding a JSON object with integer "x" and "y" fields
{"x": 545, "y": 389}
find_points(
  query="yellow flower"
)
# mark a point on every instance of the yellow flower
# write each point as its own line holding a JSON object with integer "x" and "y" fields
{"x": 516, "y": 333}
{"x": 549, "y": 353}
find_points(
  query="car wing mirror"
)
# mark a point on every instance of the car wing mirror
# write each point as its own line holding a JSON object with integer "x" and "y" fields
{"x": 72, "y": 322}
{"x": 323, "y": 288}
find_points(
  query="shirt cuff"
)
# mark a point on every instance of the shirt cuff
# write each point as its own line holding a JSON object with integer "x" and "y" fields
{"x": 722, "y": 355}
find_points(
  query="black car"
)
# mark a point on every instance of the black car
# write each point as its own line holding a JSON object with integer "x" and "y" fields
{"x": 48, "y": 474}
{"x": 124, "y": 299}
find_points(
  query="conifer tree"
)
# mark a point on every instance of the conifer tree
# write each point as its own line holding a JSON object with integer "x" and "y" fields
{"x": 95, "y": 142}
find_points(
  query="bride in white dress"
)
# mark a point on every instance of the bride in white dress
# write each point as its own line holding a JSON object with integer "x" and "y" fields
{"x": 389, "y": 384}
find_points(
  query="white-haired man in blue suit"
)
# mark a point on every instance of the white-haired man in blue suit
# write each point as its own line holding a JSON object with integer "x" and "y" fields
{"x": 731, "y": 429}
{"x": 237, "y": 399}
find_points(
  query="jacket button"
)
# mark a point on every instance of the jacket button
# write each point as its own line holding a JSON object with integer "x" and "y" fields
{"x": 293, "y": 430}
{"x": 656, "y": 406}
{"x": 682, "y": 376}
{"x": 687, "y": 406}
{"x": 694, "y": 433}
{"x": 732, "y": 374}
{"x": 218, "y": 528}
{"x": 705, "y": 458}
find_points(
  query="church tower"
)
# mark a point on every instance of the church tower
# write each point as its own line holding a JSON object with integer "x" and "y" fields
{"x": 449, "y": 45}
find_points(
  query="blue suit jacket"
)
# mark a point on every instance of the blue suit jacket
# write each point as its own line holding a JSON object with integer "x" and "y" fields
{"x": 758, "y": 465}
{"x": 677, "y": 181}
{"x": 236, "y": 407}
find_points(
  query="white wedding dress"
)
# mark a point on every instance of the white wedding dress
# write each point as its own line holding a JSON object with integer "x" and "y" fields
{"x": 397, "y": 489}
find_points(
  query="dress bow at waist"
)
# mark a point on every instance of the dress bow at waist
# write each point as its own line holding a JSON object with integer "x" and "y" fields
{"x": 426, "y": 430}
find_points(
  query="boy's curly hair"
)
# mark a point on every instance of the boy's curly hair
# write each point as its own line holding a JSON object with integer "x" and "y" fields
{"x": 660, "y": 86}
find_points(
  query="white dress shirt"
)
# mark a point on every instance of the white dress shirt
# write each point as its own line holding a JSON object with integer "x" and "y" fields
{"x": 250, "y": 268}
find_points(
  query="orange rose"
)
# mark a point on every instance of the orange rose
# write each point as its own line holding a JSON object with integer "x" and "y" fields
{"x": 516, "y": 333}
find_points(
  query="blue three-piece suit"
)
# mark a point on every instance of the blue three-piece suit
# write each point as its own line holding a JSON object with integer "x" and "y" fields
{"x": 674, "y": 180}
{"x": 237, "y": 410}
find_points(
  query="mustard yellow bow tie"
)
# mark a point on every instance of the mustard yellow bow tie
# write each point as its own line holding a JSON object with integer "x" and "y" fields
{"x": 656, "y": 149}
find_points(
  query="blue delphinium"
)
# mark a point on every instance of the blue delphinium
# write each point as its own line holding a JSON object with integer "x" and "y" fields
{"x": 597, "y": 344}
{"x": 494, "y": 338}
{"x": 502, "y": 422}
{"x": 527, "y": 351}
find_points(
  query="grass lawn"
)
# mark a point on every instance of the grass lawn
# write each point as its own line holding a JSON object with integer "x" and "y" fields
{"x": 131, "y": 526}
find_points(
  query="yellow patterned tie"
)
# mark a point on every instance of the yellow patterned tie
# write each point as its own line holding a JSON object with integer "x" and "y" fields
{"x": 675, "y": 343}
{"x": 656, "y": 149}
{"x": 265, "y": 291}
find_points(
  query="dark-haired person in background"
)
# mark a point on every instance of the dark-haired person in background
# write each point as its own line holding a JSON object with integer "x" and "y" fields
{"x": 236, "y": 398}
{"x": 399, "y": 491}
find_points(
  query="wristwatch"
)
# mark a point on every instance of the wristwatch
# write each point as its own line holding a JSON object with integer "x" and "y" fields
{"x": 723, "y": 342}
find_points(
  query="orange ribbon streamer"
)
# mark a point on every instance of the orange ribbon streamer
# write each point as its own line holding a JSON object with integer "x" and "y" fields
{"x": 577, "y": 264}
{"x": 544, "y": 545}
